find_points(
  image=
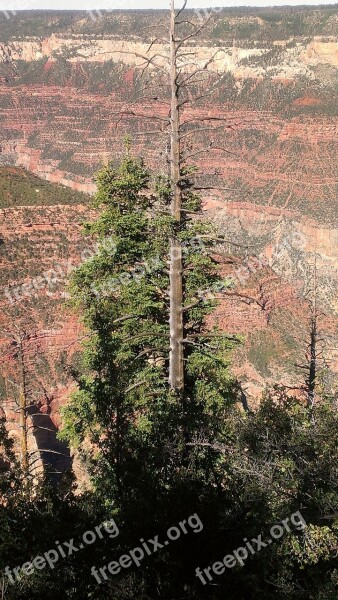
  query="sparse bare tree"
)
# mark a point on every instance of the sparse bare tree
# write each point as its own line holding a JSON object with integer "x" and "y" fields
{"x": 314, "y": 359}
{"x": 24, "y": 404}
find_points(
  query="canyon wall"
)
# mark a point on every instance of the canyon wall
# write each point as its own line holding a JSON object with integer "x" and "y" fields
{"x": 40, "y": 244}
{"x": 65, "y": 80}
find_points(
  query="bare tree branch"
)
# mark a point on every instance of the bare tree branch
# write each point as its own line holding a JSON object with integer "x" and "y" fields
{"x": 142, "y": 116}
{"x": 179, "y": 12}
{"x": 192, "y": 34}
{"x": 148, "y": 60}
{"x": 206, "y": 151}
{"x": 201, "y": 70}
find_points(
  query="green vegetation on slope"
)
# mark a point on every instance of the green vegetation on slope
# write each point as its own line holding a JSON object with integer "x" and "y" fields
{"x": 21, "y": 188}
{"x": 229, "y": 24}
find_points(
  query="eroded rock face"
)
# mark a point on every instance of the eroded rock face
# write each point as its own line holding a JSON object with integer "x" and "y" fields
{"x": 41, "y": 242}
{"x": 65, "y": 80}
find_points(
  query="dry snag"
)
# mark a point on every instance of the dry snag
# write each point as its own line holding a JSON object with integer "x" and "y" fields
{"x": 178, "y": 69}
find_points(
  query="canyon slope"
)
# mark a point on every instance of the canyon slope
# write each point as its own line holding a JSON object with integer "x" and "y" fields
{"x": 40, "y": 244}
{"x": 65, "y": 79}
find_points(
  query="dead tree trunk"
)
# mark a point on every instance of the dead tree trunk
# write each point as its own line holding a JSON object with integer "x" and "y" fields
{"x": 311, "y": 382}
{"x": 313, "y": 350}
{"x": 314, "y": 357}
{"x": 17, "y": 340}
{"x": 23, "y": 407}
{"x": 180, "y": 70}
{"x": 176, "y": 358}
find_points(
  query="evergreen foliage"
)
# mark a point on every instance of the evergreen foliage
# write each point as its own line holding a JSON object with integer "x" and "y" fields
{"x": 154, "y": 456}
{"x": 138, "y": 427}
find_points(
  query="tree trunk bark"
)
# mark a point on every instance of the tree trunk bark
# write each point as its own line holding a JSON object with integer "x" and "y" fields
{"x": 23, "y": 414}
{"x": 176, "y": 362}
{"x": 312, "y": 381}
{"x": 313, "y": 364}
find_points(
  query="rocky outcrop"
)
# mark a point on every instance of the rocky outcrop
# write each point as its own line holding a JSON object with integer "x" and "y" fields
{"x": 242, "y": 62}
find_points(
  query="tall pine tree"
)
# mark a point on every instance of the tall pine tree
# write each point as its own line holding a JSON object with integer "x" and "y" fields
{"x": 125, "y": 404}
